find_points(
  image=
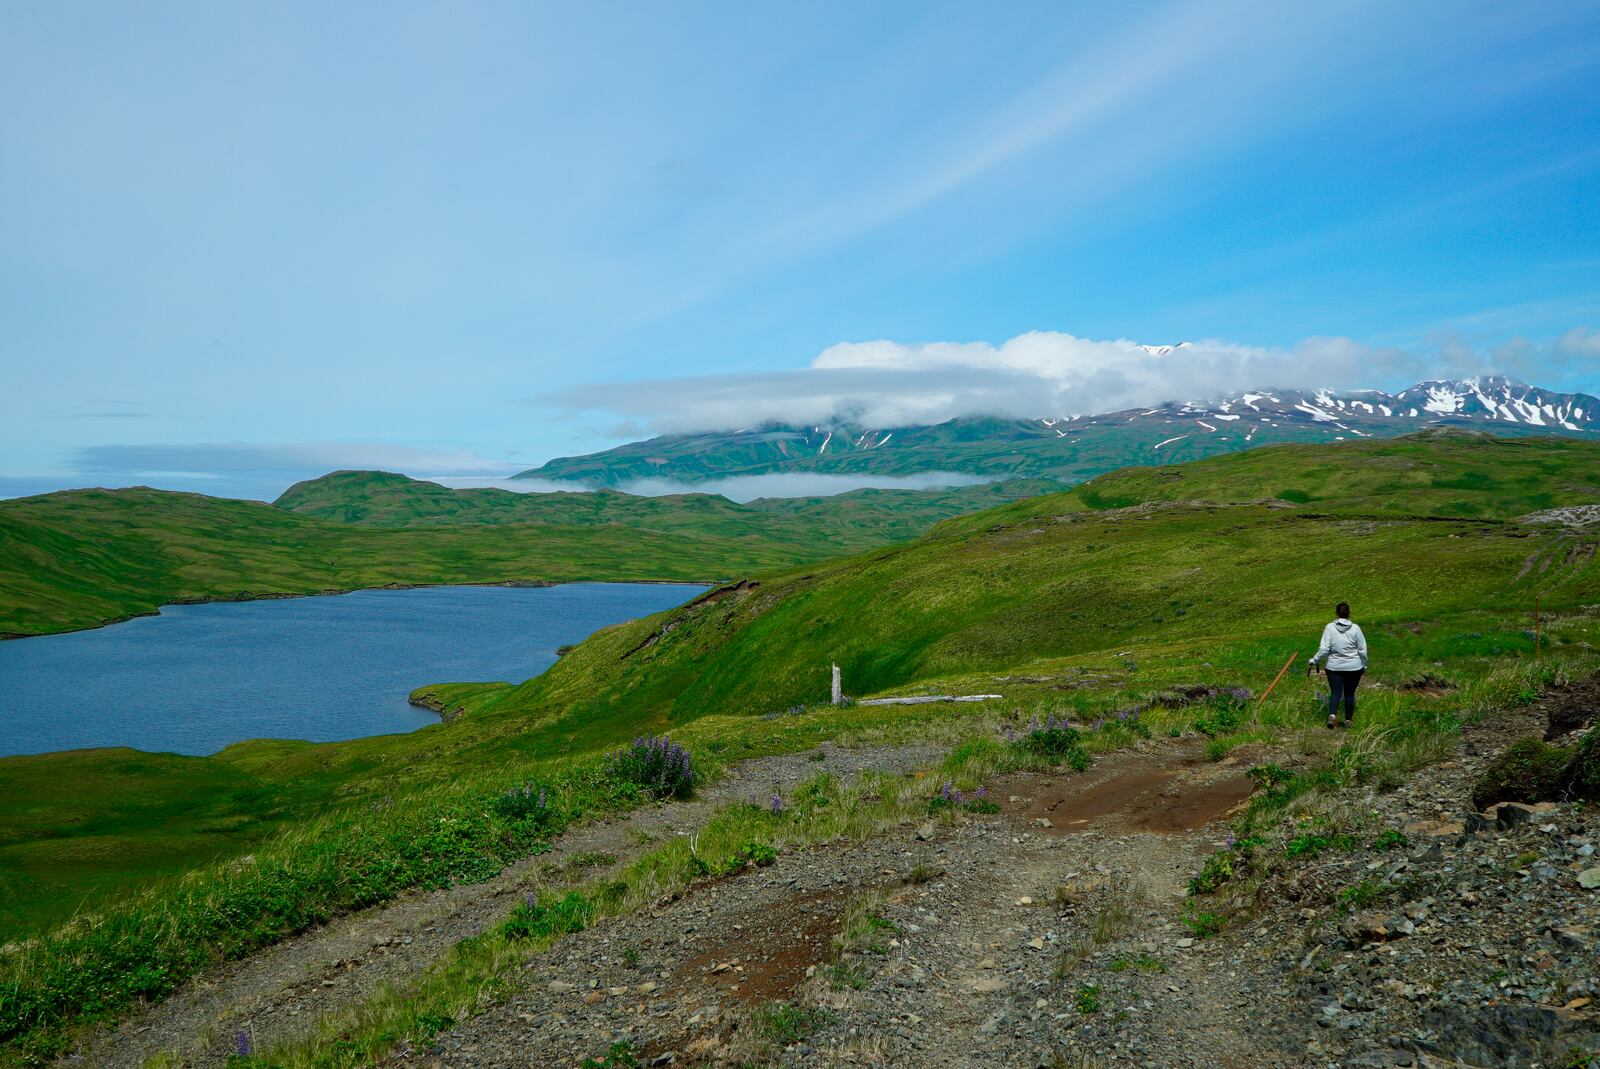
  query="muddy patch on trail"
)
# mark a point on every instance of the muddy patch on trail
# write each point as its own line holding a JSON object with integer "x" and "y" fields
{"x": 1165, "y": 798}
{"x": 763, "y": 955}
{"x": 1428, "y": 685}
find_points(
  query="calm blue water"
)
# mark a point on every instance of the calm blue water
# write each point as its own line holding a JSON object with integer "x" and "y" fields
{"x": 199, "y": 677}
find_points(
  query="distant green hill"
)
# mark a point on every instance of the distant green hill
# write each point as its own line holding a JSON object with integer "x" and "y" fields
{"x": 81, "y": 558}
{"x": 843, "y": 522}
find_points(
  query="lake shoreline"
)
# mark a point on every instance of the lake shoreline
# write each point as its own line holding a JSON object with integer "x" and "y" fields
{"x": 245, "y": 595}
{"x": 206, "y": 675}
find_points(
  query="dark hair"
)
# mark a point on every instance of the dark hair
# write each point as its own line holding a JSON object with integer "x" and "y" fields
{"x": 1343, "y": 609}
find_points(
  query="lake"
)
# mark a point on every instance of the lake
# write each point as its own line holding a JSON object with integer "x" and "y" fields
{"x": 199, "y": 677}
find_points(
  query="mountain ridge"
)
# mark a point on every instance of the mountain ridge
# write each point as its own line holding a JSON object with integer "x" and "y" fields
{"x": 1072, "y": 448}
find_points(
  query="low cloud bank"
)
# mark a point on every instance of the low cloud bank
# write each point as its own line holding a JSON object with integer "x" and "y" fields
{"x": 743, "y": 488}
{"x": 882, "y": 384}
{"x": 740, "y": 488}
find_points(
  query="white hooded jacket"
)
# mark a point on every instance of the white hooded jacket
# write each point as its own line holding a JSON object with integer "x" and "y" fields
{"x": 1344, "y": 647}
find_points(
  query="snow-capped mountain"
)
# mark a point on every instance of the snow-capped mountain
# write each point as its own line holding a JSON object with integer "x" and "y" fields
{"x": 1074, "y": 447}
{"x": 1482, "y": 402}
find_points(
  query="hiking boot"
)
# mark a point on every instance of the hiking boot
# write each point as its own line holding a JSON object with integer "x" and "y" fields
{"x": 1333, "y": 721}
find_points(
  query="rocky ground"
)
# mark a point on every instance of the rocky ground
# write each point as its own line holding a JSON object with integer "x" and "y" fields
{"x": 1006, "y": 942}
{"x": 1056, "y": 932}
{"x": 279, "y": 993}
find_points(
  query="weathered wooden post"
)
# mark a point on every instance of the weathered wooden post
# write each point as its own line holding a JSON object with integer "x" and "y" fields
{"x": 838, "y": 687}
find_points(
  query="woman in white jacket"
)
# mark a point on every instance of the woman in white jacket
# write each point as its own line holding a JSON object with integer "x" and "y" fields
{"x": 1344, "y": 648}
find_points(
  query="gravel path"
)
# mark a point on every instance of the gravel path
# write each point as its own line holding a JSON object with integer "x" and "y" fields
{"x": 967, "y": 971}
{"x": 279, "y": 993}
{"x": 1051, "y": 934}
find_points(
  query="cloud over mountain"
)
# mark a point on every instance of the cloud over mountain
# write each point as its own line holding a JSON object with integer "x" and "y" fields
{"x": 1040, "y": 373}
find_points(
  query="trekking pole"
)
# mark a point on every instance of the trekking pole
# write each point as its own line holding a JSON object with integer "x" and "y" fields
{"x": 1537, "y": 632}
{"x": 1292, "y": 658}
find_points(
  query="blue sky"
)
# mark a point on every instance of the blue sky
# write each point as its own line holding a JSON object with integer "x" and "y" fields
{"x": 243, "y": 244}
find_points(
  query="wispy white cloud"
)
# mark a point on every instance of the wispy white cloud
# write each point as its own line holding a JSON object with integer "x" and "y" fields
{"x": 891, "y": 384}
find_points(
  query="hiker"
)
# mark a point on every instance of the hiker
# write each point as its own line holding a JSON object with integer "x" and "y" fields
{"x": 1344, "y": 648}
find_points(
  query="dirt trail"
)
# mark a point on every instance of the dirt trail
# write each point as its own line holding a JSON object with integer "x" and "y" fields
{"x": 979, "y": 915}
{"x": 280, "y": 993}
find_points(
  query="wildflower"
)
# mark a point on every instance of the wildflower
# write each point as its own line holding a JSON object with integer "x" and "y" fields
{"x": 777, "y": 803}
{"x": 242, "y": 1045}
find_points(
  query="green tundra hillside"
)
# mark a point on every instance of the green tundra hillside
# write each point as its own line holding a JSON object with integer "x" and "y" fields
{"x": 81, "y": 558}
{"x": 843, "y": 522}
{"x": 1263, "y": 541}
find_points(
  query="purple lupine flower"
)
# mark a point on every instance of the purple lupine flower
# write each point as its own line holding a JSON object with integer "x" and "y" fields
{"x": 956, "y": 797}
{"x": 1231, "y": 841}
{"x": 777, "y": 803}
{"x": 981, "y": 792}
{"x": 241, "y": 1044}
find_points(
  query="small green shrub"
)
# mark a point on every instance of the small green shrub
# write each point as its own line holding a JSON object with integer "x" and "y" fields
{"x": 754, "y": 853}
{"x": 1051, "y": 738}
{"x": 1361, "y": 895}
{"x": 529, "y": 806}
{"x": 657, "y": 766}
{"x": 847, "y": 976}
{"x": 1140, "y": 963}
{"x": 1269, "y": 777}
{"x": 784, "y": 1024}
{"x": 1391, "y": 839}
{"x": 1086, "y": 999}
{"x": 535, "y": 919}
{"x": 949, "y": 798}
{"x": 1205, "y": 925}
{"x": 1311, "y": 844}
{"x": 620, "y": 1055}
{"x": 1222, "y": 866}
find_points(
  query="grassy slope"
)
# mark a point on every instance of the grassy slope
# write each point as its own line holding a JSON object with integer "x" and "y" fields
{"x": 86, "y": 557}
{"x": 1413, "y": 527}
{"x": 1047, "y": 587}
{"x": 1435, "y": 473}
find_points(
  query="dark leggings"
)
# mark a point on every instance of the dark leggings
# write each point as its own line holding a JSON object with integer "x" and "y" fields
{"x": 1342, "y": 687}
